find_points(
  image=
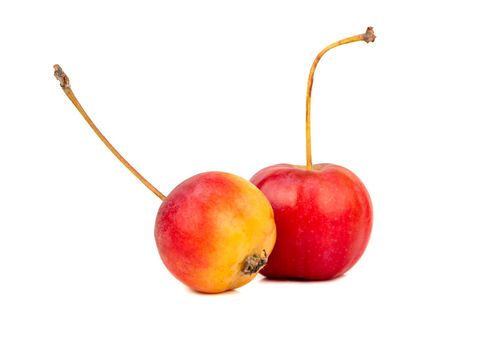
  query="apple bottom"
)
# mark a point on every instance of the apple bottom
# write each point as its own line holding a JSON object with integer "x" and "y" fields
{"x": 323, "y": 220}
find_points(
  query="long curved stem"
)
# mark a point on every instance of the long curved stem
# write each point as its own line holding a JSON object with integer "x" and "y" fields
{"x": 65, "y": 85}
{"x": 368, "y": 36}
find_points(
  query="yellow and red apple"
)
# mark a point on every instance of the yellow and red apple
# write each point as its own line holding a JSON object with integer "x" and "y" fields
{"x": 215, "y": 231}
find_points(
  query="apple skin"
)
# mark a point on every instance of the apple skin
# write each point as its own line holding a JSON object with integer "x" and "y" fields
{"x": 323, "y": 220}
{"x": 208, "y": 226}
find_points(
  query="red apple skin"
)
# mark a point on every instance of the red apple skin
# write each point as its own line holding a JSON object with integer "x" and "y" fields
{"x": 323, "y": 220}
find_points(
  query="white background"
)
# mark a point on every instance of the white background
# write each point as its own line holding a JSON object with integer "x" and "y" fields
{"x": 186, "y": 87}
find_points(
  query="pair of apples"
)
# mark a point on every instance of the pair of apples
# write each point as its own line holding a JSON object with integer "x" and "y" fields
{"x": 215, "y": 230}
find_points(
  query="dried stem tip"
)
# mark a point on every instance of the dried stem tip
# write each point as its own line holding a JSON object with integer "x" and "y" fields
{"x": 62, "y": 77}
{"x": 369, "y": 35}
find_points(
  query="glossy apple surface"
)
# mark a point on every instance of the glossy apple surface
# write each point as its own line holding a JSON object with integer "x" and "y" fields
{"x": 210, "y": 226}
{"x": 323, "y": 220}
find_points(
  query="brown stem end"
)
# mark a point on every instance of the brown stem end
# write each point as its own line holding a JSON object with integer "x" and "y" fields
{"x": 369, "y": 35}
{"x": 254, "y": 263}
{"x": 62, "y": 77}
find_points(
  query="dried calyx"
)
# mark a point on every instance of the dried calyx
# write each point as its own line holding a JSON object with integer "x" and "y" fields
{"x": 254, "y": 263}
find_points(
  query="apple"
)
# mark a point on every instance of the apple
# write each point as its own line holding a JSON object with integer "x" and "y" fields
{"x": 214, "y": 231}
{"x": 323, "y": 220}
{"x": 323, "y": 212}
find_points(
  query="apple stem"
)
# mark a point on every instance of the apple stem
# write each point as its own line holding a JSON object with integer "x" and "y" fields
{"x": 65, "y": 85}
{"x": 368, "y": 37}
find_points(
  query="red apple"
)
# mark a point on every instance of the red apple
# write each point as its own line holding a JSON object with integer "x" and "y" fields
{"x": 323, "y": 212}
{"x": 323, "y": 220}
